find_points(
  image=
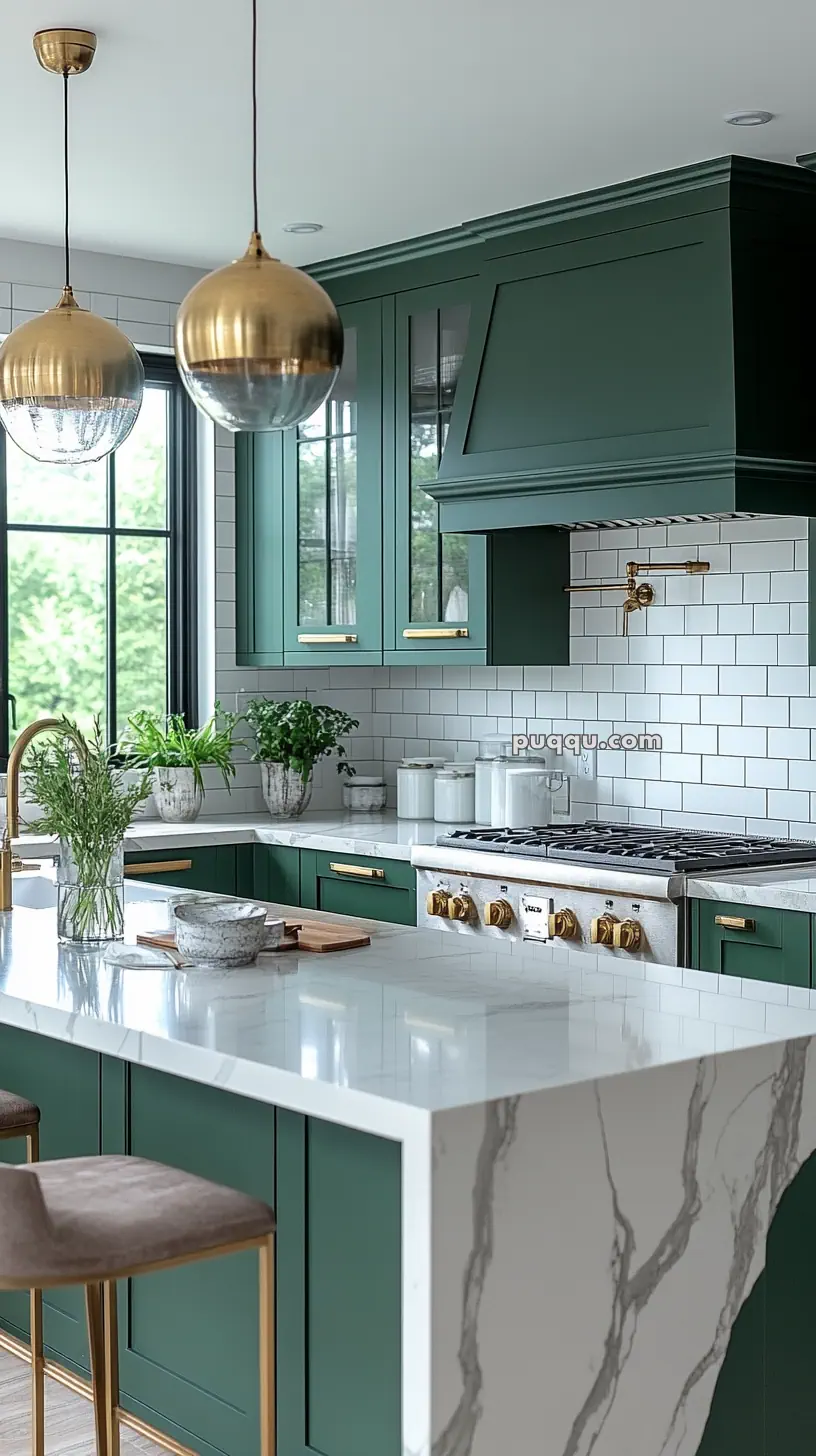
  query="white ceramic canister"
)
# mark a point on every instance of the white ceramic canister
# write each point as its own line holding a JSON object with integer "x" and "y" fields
{"x": 495, "y": 745}
{"x": 415, "y": 787}
{"x": 498, "y": 791}
{"x": 528, "y": 796}
{"x": 364, "y": 795}
{"x": 455, "y": 794}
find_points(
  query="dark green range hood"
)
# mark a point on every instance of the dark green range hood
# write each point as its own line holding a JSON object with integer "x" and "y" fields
{"x": 645, "y": 351}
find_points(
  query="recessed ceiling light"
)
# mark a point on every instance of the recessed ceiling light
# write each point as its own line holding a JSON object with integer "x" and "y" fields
{"x": 303, "y": 227}
{"x": 748, "y": 118}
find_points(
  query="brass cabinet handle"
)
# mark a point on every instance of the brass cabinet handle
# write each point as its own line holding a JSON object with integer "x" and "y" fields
{"x": 735, "y": 922}
{"x": 327, "y": 637}
{"x": 154, "y": 867}
{"x": 363, "y": 872}
{"x": 436, "y": 632}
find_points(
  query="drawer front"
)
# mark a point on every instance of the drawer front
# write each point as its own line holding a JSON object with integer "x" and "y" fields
{"x": 211, "y": 868}
{"x": 760, "y": 943}
{"x": 353, "y": 884}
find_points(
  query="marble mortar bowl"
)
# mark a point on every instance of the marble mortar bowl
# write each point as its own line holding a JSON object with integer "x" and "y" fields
{"x": 224, "y": 934}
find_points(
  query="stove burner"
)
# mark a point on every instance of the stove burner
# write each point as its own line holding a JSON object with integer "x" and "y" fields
{"x": 597, "y": 842}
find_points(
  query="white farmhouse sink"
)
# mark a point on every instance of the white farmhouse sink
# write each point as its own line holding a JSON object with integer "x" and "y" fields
{"x": 38, "y": 891}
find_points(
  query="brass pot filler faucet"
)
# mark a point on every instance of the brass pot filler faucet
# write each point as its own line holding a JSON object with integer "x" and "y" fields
{"x": 640, "y": 594}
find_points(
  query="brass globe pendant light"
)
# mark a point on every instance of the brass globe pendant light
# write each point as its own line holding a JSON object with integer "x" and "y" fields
{"x": 258, "y": 343}
{"x": 71, "y": 383}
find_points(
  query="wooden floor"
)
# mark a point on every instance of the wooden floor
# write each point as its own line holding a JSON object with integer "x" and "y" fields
{"x": 68, "y": 1418}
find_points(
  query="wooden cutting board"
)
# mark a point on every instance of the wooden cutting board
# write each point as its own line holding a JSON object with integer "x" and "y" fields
{"x": 318, "y": 936}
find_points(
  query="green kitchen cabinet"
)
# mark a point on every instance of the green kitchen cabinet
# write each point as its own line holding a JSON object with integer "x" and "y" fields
{"x": 758, "y": 942}
{"x": 208, "y": 867}
{"x": 494, "y": 599}
{"x": 64, "y": 1082}
{"x": 332, "y": 511}
{"x": 277, "y": 873}
{"x": 352, "y": 884}
{"x": 339, "y": 1290}
{"x": 309, "y": 521}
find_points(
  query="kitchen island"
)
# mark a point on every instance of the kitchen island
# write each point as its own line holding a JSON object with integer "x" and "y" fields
{"x": 529, "y": 1200}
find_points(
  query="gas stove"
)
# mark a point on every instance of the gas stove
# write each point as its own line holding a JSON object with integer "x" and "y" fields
{"x": 618, "y": 889}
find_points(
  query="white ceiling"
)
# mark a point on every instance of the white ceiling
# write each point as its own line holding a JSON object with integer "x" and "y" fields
{"x": 381, "y": 120}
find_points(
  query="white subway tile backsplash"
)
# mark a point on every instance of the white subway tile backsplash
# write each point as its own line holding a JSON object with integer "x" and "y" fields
{"x": 679, "y": 709}
{"x": 761, "y": 555}
{"x": 756, "y": 586}
{"x": 767, "y": 773}
{"x": 721, "y": 589}
{"x": 700, "y": 679}
{"x": 708, "y": 799}
{"x": 765, "y": 712}
{"x": 751, "y": 742}
{"x": 686, "y": 649}
{"x": 789, "y": 743}
{"x": 718, "y": 769}
{"x": 720, "y": 709}
{"x": 703, "y": 621}
{"x": 736, "y": 619}
{"x": 789, "y": 586}
{"x": 700, "y": 738}
{"x": 788, "y": 804}
{"x": 683, "y": 768}
{"x": 803, "y": 713}
{"x": 772, "y": 617}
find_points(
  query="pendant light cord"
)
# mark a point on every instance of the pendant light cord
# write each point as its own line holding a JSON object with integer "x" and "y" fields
{"x": 254, "y": 115}
{"x": 65, "y": 170}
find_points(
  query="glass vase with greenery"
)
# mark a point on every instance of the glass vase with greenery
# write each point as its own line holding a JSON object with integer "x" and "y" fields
{"x": 291, "y": 737}
{"x": 87, "y": 804}
{"x": 174, "y": 756}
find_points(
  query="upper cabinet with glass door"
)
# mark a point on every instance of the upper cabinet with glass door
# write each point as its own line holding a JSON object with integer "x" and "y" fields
{"x": 332, "y": 511}
{"x": 438, "y": 601}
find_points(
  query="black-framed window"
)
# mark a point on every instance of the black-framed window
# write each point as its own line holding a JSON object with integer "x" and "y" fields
{"x": 97, "y": 574}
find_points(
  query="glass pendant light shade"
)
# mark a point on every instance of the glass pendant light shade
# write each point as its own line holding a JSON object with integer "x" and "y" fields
{"x": 258, "y": 343}
{"x": 71, "y": 385}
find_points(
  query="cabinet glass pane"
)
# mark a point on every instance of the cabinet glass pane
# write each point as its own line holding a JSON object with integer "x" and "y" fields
{"x": 327, "y": 503}
{"x": 438, "y": 564}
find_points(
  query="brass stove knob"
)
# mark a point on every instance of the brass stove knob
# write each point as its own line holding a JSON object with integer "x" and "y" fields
{"x": 627, "y": 935}
{"x": 564, "y": 925}
{"x": 460, "y": 907}
{"x": 602, "y": 929}
{"x": 436, "y": 903}
{"x": 498, "y": 913}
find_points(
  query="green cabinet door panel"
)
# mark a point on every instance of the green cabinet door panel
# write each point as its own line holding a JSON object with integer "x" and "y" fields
{"x": 332, "y": 510}
{"x": 188, "y": 1336}
{"x": 339, "y": 1291}
{"x": 212, "y": 867}
{"x": 258, "y": 550}
{"x": 277, "y": 873}
{"x": 774, "y": 946}
{"x": 64, "y": 1081}
{"x": 390, "y": 894}
{"x": 764, "y": 1402}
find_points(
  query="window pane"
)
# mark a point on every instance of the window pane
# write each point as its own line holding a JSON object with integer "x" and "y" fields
{"x": 316, "y": 426}
{"x": 455, "y": 550}
{"x": 141, "y": 626}
{"x": 424, "y": 340}
{"x": 54, "y": 495}
{"x": 343, "y": 500}
{"x": 453, "y": 331}
{"x": 57, "y": 618}
{"x": 312, "y": 528}
{"x": 343, "y": 398}
{"x": 141, "y": 466}
{"x": 424, "y": 517}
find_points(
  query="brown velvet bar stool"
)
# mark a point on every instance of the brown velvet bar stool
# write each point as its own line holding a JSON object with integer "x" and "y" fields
{"x": 91, "y": 1221}
{"x": 20, "y": 1118}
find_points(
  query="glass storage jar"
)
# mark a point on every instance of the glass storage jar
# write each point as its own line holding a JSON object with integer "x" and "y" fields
{"x": 455, "y": 794}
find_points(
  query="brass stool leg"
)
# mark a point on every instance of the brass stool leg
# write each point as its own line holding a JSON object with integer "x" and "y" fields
{"x": 111, "y": 1366}
{"x": 37, "y": 1360}
{"x": 267, "y": 1345}
{"x": 96, "y": 1342}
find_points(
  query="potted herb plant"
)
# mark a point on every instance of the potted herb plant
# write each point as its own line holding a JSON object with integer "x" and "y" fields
{"x": 174, "y": 756}
{"x": 291, "y": 737}
{"x": 86, "y": 803}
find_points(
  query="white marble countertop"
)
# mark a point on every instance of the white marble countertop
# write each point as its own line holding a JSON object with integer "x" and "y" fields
{"x": 416, "y": 1022}
{"x": 382, "y": 836}
{"x": 785, "y": 887}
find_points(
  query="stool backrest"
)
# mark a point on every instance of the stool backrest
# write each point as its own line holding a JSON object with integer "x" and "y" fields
{"x": 25, "y": 1228}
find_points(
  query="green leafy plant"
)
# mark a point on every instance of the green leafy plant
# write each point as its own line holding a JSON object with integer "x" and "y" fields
{"x": 298, "y": 733}
{"x": 87, "y": 804}
{"x": 153, "y": 742}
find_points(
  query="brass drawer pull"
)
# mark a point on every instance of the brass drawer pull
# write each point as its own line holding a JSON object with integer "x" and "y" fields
{"x": 363, "y": 872}
{"x": 436, "y": 632}
{"x": 327, "y": 637}
{"x": 735, "y": 922}
{"x": 155, "y": 867}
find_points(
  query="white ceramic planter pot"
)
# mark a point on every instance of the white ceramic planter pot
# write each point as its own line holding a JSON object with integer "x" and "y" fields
{"x": 177, "y": 798}
{"x": 283, "y": 788}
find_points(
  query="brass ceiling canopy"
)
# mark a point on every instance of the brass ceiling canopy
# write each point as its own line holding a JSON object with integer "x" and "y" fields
{"x": 259, "y": 344}
{"x": 65, "y": 52}
{"x": 71, "y": 383}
